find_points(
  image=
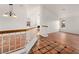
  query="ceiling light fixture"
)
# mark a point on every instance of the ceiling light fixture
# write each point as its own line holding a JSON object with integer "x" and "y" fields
{"x": 10, "y": 13}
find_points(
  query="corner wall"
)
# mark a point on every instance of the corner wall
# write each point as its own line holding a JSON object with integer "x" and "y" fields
{"x": 72, "y": 25}
{"x": 49, "y": 19}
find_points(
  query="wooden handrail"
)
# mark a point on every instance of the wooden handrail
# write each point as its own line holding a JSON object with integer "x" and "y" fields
{"x": 15, "y": 30}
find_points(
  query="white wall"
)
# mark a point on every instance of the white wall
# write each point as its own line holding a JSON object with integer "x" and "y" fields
{"x": 22, "y": 12}
{"x": 52, "y": 13}
{"x": 33, "y": 14}
{"x": 72, "y": 24}
{"x": 11, "y": 23}
{"x": 71, "y": 14}
{"x": 50, "y": 19}
{"x": 7, "y": 23}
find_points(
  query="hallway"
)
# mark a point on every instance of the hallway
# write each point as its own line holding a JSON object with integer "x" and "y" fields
{"x": 57, "y": 43}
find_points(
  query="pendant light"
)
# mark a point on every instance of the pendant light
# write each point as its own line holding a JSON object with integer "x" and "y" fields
{"x": 10, "y": 13}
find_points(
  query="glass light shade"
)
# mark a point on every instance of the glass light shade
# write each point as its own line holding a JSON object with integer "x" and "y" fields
{"x": 5, "y": 15}
{"x": 14, "y": 16}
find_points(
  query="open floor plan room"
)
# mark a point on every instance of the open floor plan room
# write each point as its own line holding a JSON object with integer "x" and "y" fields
{"x": 39, "y": 28}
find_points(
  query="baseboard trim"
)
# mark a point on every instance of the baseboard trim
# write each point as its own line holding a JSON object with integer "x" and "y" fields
{"x": 70, "y": 33}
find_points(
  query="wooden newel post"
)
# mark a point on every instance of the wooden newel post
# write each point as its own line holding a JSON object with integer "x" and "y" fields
{"x": 38, "y": 30}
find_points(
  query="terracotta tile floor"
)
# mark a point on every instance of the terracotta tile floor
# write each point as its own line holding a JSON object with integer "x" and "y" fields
{"x": 57, "y": 43}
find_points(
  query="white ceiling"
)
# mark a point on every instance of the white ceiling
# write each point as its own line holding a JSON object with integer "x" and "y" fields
{"x": 60, "y": 9}
{"x": 65, "y": 10}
